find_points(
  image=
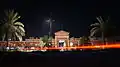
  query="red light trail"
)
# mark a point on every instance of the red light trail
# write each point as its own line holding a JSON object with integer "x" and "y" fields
{"x": 80, "y": 47}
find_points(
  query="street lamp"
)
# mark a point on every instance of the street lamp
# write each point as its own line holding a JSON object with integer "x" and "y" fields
{"x": 50, "y": 21}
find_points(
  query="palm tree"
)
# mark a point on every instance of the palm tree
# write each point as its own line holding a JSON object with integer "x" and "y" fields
{"x": 101, "y": 26}
{"x": 50, "y": 38}
{"x": 2, "y": 31}
{"x": 45, "y": 39}
{"x": 42, "y": 44}
{"x": 12, "y": 29}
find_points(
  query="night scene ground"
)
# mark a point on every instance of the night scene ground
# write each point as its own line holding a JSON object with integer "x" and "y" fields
{"x": 59, "y": 33}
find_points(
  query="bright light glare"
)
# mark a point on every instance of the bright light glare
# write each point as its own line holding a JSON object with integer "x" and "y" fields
{"x": 97, "y": 46}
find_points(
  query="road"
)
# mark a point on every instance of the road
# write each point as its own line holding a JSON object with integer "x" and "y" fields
{"x": 63, "y": 59}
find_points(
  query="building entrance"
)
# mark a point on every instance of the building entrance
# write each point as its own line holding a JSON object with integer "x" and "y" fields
{"x": 62, "y": 43}
{"x": 62, "y": 38}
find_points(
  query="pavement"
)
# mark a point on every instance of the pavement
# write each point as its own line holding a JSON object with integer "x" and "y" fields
{"x": 91, "y": 58}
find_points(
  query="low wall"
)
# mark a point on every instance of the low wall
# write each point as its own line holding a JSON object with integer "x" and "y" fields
{"x": 18, "y": 43}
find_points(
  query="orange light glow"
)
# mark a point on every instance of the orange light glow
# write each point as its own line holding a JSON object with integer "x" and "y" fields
{"x": 81, "y": 47}
{"x": 84, "y": 46}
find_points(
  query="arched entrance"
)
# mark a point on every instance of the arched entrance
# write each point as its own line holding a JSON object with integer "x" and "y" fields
{"x": 61, "y": 43}
{"x": 62, "y": 39}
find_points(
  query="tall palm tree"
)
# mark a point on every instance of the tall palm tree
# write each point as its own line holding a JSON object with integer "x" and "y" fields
{"x": 12, "y": 29}
{"x": 101, "y": 26}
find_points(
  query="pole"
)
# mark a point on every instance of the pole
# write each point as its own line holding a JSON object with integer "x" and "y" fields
{"x": 50, "y": 21}
{"x": 50, "y": 24}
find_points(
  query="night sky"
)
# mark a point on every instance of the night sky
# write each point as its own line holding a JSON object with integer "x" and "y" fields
{"x": 75, "y": 16}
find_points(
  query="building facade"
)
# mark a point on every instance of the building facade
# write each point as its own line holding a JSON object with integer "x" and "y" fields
{"x": 61, "y": 39}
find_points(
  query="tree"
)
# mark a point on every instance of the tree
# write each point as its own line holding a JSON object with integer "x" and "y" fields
{"x": 50, "y": 38}
{"x": 101, "y": 26}
{"x": 41, "y": 38}
{"x": 83, "y": 40}
{"x": 12, "y": 29}
{"x": 42, "y": 44}
{"x": 2, "y": 31}
{"x": 45, "y": 38}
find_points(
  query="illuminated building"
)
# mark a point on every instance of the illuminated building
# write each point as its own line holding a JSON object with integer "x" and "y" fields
{"x": 61, "y": 39}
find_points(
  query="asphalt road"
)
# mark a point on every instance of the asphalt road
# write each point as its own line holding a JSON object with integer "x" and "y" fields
{"x": 61, "y": 59}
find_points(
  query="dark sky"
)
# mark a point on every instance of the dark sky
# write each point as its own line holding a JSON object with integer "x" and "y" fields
{"x": 74, "y": 15}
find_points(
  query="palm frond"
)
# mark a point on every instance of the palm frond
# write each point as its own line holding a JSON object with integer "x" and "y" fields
{"x": 18, "y": 36}
{"x": 20, "y": 32}
{"x": 16, "y": 18}
{"x": 14, "y": 36}
{"x": 11, "y": 14}
{"x": 8, "y": 15}
{"x": 93, "y": 33}
{"x": 93, "y": 29}
{"x": 99, "y": 19}
{"x": 95, "y": 24}
{"x": 19, "y": 24}
{"x": 21, "y": 29}
{"x": 11, "y": 26}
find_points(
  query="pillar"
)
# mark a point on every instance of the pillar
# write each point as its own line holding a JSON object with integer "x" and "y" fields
{"x": 68, "y": 42}
{"x": 55, "y": 41}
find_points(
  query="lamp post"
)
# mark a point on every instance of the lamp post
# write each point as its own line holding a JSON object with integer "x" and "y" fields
{"x": 50, "y": 21}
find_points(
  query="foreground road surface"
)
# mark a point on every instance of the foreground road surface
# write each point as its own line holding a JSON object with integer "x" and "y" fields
{"x": 91, "y": 58}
